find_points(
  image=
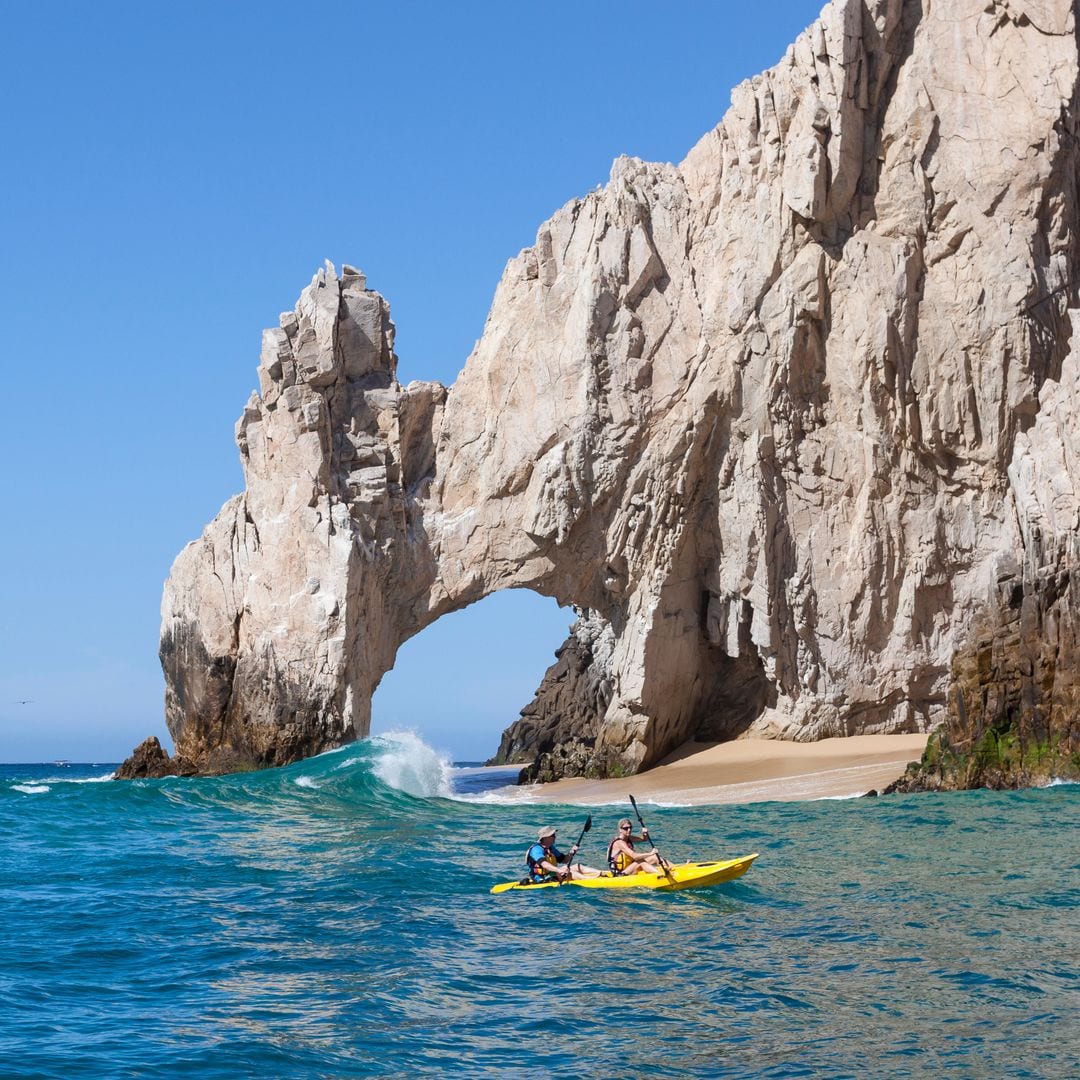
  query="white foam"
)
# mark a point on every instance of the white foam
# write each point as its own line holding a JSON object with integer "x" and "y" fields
{"x": 527, "y": 794}
{"x": 306, "y": 782}
{"x": 505, "y": 796}
{"x": 1059, "y": 782}
{"x": 348, "y": 763}
{"x": 30, "y": 789}
{"x": 84, "y": 780}
{"x": 404, "y": 761}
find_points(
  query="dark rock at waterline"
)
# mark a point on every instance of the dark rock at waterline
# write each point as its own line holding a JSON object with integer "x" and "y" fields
{"x": 1013, "y": 708}
{"x": 576, "y": 758}
{"x": 556, "y": 734}
{"x": 149, "y": 760}
{"x": 562, "y": 711}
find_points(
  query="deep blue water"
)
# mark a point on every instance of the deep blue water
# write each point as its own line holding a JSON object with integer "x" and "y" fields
{"x": 320, "y": 921}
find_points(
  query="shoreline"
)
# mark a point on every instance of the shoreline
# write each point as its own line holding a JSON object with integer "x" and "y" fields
{"x": 752, "y": 770}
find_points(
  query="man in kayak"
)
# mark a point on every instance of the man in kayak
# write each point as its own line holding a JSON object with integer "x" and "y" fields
{"x": 547, "y": 863}
{"x": 624, "y": 860}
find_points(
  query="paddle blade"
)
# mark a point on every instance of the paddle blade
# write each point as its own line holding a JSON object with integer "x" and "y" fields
{"x": 588, "y": 824}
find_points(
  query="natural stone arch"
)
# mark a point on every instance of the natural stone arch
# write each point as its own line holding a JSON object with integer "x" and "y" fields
{"x": 373, "y": 509}
{"x": 775, "y": 418}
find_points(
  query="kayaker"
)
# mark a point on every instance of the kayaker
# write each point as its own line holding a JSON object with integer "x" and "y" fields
{"x": 547, "y": 863}
{"x": 623, "y": 859}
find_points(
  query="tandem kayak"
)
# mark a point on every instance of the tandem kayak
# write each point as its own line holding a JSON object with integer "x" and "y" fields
{"x": 689, "y": 875}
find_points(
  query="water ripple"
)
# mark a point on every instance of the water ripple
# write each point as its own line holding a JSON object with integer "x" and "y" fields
{"x": 261, "y": 925}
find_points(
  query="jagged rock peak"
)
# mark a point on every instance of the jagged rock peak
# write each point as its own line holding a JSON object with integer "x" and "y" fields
{"x": 787, "y": 421}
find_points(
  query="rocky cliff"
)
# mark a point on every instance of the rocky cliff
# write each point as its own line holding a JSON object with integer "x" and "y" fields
{"x": 792, "y": 424}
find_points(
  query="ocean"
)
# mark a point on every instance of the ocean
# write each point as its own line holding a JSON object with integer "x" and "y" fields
{"x": 333, "y": 919}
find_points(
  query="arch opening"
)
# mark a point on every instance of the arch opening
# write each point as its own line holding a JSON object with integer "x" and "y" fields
{"x": 461, "y": 681}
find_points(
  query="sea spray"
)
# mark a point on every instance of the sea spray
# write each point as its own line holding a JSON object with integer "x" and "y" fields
{"x": 404, "y": 761}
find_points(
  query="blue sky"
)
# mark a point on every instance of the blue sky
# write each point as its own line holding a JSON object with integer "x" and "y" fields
{"x": 173, "y": 175}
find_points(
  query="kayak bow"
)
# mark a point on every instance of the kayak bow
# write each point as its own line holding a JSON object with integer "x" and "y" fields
{"x": 690, "y": 875}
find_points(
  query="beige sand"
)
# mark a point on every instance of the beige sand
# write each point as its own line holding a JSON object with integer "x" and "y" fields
{"x": 753, "y": 770}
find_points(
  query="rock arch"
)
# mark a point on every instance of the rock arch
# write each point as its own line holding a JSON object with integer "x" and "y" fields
{"x": 372, "y": 509}
{"x": 753, "y": 415}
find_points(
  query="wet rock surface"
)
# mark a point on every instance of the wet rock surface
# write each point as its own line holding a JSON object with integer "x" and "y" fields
{"x": 150, "y": 761}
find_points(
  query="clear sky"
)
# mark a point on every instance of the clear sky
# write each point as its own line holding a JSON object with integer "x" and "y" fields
{"x": 172, "y": 177}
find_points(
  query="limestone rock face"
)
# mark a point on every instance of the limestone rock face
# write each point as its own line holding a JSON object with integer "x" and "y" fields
{"x": 784, "y": 422}
{"x": 1013, "y": 708}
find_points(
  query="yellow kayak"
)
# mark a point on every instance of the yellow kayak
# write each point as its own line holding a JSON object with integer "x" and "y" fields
{"x": 690, "y": 875}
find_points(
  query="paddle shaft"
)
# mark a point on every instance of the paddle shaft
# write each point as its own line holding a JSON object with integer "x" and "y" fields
{"x": 663, "y": 862}
{"x": 581, "y": 836}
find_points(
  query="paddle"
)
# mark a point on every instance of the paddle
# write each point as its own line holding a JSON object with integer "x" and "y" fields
{"x": 664, "y": 865}
{"x": 581, "y": 836}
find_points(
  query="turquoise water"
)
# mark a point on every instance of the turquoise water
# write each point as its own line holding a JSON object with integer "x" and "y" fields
{"x": 321, "y": 921}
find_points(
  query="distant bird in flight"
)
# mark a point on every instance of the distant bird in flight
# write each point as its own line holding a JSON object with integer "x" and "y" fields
{"x": 27, "y": 701}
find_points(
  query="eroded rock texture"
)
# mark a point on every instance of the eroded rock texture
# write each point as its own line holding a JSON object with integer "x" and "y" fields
{"x": 149, "y": 760}
{"x": 785, "y": 422}
{"x": 1014, "y": 699}
{"x": 556, "y": 735}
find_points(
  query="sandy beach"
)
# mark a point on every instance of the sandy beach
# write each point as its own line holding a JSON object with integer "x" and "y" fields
{"x": 754, "y": 770}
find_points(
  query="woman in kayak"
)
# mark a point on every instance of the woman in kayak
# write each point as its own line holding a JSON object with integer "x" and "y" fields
{"x": 547, "y": 863}
{"x": 624, "y": 860}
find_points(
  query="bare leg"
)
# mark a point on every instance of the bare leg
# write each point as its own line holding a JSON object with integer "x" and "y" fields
{"x": 579, "y": 870}
{"x": 650, "y": 864}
